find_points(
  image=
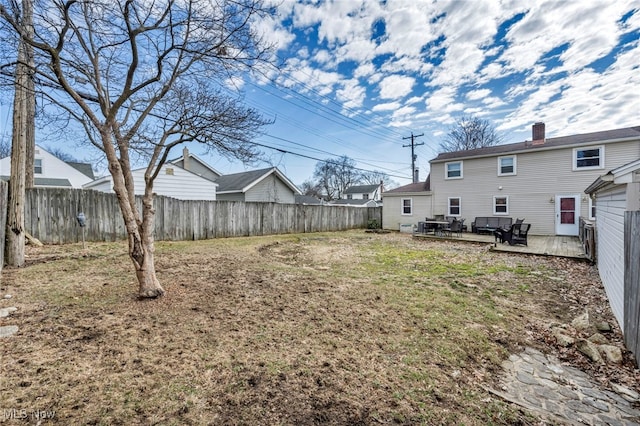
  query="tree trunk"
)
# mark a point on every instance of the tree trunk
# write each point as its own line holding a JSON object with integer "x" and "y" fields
{"x": 14, "y": 249}
{"x": 30, "y": 94}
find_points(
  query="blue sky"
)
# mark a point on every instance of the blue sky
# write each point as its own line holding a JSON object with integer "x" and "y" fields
{"x": 359, "y": 76}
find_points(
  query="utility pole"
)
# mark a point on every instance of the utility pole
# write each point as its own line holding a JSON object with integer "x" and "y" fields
{"x": 413, "y": 155}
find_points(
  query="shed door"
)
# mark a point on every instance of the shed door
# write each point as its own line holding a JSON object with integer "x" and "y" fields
{"x": 567, "y": 214}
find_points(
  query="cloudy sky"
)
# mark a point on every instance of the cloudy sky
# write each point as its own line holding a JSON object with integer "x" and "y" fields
{"x": 360, "y": 76}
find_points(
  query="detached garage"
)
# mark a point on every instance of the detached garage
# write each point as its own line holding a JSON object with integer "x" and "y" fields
{"x": 616, "y": 198}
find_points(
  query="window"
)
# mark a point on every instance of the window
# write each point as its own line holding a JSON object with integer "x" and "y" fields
{"x": 407, "y": 206}
{"x": 349, "y": 197}
{"x": 588, "y": 158}
{"x": 592, "y": 209}
{"x": 507, "y": 165}
{"x": 365, "y": 196}
{"x": 454, "y": 206}
{"x": 37, "y": 166}
{"x": 453, "y": 170}
{"x": 500, "y": 205}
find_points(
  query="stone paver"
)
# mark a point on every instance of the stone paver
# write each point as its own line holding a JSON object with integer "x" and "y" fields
{"x": 564, "y": 394}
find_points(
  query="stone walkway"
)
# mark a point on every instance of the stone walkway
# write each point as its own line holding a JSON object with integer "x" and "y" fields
{"x": 564, "y": 394}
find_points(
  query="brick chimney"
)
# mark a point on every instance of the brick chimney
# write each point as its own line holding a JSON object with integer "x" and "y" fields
{"x": 538, "y": 133}
{"x": 185, "y": 158}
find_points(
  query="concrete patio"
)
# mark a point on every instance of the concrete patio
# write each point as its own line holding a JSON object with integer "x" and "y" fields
{"x": 544, "y": 245}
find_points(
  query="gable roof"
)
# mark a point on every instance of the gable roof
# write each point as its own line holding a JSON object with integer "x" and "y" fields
{"x": 244, "y": 181}
{"x": 616, "y": 135}
{"x": 361, "y": 189}
{"x": 37, "y": 181}
{"x": 84, "y": 168}
{"x": 196, "y": 158}
{"x": 613, "y": 175}
{"x": 412, "y": 187}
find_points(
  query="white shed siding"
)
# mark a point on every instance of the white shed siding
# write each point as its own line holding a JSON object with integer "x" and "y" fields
{"x": 540, "y": 175}
{"x": 270, "y": 189}
{"x": 392, "y": 216}
{"x": 182, "y": 184}
{"x": 610, "y": 207}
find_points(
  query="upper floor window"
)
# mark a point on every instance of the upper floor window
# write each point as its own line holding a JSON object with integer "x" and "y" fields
{"x": 588, "y": 158}
{"x": 453, "y": 170}
{"x": 507, "y": 165}
{"x": 454, "y": 206}
{"x": 407, "y": 206}
{"x": 37, "y": 166}
{"x": 365, "y": 196}
{"x": 500, "y": 205}
{"x": 349, "y": 197}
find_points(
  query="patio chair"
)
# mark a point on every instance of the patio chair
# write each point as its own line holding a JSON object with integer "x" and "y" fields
{"x": 454, "y": 227}
{"x": 517, "y": 234}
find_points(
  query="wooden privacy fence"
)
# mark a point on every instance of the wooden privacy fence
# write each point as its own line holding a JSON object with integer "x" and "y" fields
{"x": 50, "y": 216}
{"x": 631, "y": 325}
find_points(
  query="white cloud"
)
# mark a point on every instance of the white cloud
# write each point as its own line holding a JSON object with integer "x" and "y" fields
{"x": 475, "y": 95}
{"x": 396, "y": 86}
{"x": 390, "y": 106}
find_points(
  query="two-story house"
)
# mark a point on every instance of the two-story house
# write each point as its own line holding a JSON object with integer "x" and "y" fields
{"x": 361, "y": 196}
{"x": 541, "y": 180}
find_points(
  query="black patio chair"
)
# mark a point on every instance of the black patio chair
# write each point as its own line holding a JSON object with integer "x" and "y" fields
{"x": 517, "y": 234}
{"x": 454, "y": 227}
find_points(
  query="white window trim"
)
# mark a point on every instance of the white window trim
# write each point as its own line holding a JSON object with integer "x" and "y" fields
{"x": 446, "y": 170}
{"x": 583, "y": 148}
{"x": 41, "y": 166}
{"x": 515, "y": 168}
{"x": 402, "y": 200}
{"x": 497, "y": 213}
{"x": 591, "y": 205}
{"x": 449, "y": 206}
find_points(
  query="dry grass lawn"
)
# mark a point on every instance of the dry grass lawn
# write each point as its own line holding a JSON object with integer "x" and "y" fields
{"x": 336, "y": 328}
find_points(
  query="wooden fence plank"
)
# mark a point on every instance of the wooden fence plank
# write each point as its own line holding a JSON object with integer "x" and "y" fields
{"x": 631, "y": 327}
{"x": 50, "y": 216}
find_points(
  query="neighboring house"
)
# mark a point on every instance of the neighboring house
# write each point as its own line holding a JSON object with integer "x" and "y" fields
{"x": 195, "y": 165}
{"x": 50, "y": 171}
{"x": 407, "y": 205}
{"x": 363, "y": 192}
{"x": 172, "y": 181}
{"x": 355, "y": 203}
{"x": 308, "y": 200}
{"x": 540, "y": 180}
{"x": 265, "y": 185}
{"x": 615, "y": 193}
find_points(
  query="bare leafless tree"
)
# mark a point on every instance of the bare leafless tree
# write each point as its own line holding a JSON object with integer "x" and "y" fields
{"x": 470, "y": 132}
{"x": 143, "y": 77}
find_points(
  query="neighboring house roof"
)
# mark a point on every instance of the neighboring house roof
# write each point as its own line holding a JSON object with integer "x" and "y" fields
{"x": 412, "y": 187}
{"x": 615, "y": 135}
{"x": 244, "y": 181}
{"x": 307, "y": 199}
{"x": 345, "y": 202}
{"x": 45, "y": 181}
{"x": 361, "y": 189}
{"x": 614, "y": 175}
{"x": 84, "y": 168}
{"x": 196, "y": 158}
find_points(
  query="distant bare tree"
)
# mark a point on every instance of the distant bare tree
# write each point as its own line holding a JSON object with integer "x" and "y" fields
{"x": 60, "y": 154}
{"x": 470, "y": 132}
{"x": 5, "y": 148}
{"x": 375, "y": 177}
{"x": 311, "y": 188}
{"x": 334, "y": 176}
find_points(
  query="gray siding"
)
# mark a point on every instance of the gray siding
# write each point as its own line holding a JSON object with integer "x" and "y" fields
{"x": 541, "y": 175}
{"x": 270, "y": 189}
{"x": 392, "y": 216}
{"x": 197, "y": 168}
{"x": 610, "y": 206}
{"x": 238, "y": 196}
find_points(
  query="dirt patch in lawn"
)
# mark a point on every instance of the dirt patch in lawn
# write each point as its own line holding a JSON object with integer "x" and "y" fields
{"x": 340, "y": 328}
